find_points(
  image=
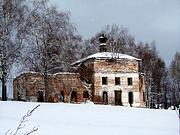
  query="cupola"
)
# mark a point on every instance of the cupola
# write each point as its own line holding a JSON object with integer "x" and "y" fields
{"x": 102, "y": 46}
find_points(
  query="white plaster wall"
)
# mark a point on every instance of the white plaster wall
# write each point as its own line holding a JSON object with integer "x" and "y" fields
{"x": 111, "y": 87}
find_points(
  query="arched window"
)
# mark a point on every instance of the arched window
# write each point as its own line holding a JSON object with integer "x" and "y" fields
{"x": 61, "y": 96}
{"x": 130, "y": 98}
{"x": 105, "y": 97}
{"x": 40, "y": 97}
{"x": 86, "y": 94}
{"x": 73, "y": 97}
{"x": 18, "y": 96}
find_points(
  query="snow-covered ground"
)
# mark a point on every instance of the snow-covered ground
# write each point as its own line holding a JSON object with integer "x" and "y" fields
{"x": 88, "y": 119}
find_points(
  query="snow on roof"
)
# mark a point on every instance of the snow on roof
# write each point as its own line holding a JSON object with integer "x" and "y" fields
{"x": 64, "y": 73}
{"x": 25, "y": 72}
{"x": 106, "y": 55}
{"x": 31, "y": 72}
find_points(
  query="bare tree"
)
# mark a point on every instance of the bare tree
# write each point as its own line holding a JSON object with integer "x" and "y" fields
{"x": 175, "y": 66}
{"x": 52, "y": 41}
{"x": 175, "y": 78}
{"x": 14, "y": 26}
{"x": 154, "y": 69}
{"x": 119, "y": 40}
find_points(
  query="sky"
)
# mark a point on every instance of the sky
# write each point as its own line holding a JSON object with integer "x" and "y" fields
{"x": 147, "y": 20}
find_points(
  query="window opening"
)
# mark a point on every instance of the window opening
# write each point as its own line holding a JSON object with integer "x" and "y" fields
{"x": 117, "y": 81}
{"x": 130, "y": 81}
{"x": 104, "y": 80}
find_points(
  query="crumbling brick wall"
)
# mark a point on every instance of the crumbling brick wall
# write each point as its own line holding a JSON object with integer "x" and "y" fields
{"x": 28, "y": 85}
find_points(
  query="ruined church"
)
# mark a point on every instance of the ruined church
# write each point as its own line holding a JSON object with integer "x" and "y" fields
{"x": 103, "y": 78}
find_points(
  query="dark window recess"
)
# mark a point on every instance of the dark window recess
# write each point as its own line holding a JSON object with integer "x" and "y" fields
{"x": 19, "y": 96}
{"x": 73, "y": 97}
{"x": 40, "y": 97}
{"x": 86, "y": 94}
{"x": 104, "y": 80}
{"x": 130, "y": 81}
{"x": 62, "y": 96}
{"x": 144, "y": 98}
{"x": 117, "y": 81}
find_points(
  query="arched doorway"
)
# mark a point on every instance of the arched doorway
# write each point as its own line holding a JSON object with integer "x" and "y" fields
{"x": 118, "y": 97}
{"x": 73, "y": 97}
{"x": 130, "y": 98}
{"x": 18, "y": 96}
{"x": 40, "y": 97}
{"x": 86, "y": 95}
{"x": 61, "y": 97}
{"x": 105, "y": 97}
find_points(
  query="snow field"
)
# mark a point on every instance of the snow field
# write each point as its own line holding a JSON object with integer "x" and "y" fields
{"x": 88, "y": 119}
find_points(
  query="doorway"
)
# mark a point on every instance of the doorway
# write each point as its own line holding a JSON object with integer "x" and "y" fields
{"x": 118, "y": 97}
{"x": 105, "y": 97}
{"x": 130, "y": 98}
{"x": 73, "y": 97}
{"x": 86, "y": 95}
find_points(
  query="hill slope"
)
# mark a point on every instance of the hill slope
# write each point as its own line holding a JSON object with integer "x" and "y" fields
{"x": 88, "y": 119}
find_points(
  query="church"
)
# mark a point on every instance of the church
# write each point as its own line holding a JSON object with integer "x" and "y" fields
{"x": 103, "y": 78}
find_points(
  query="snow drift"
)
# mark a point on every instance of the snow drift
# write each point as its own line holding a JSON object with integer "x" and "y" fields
{"x": 88, "y": 119}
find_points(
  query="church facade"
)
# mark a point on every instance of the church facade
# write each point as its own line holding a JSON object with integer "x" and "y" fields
{"x": 103, "y": 78}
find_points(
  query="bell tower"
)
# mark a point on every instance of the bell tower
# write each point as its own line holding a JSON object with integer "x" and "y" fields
{"x": 102, "y": 46}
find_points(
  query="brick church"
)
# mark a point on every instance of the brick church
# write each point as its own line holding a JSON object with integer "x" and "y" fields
{"x": 103, "y": 78}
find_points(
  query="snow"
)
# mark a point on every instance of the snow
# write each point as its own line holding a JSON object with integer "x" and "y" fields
{"x": 64, "y": 73}
{"x": 106, "y": 55}
{"x": 26, "y": 72}
{"x": 88, "y": 119}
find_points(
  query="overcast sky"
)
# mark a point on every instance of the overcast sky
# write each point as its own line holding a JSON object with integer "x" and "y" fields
{"x": 147, "y": 20}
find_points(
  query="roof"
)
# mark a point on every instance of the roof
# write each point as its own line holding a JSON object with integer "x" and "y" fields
{"x": 106, "y": 55}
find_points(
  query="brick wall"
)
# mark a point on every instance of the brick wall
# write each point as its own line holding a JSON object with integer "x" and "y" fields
{"x": 123, "y": 69}
{"x": 27, "y": 85}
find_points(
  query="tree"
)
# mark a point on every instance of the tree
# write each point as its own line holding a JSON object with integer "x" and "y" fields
{"x": 53, "y": 44}
{"x": 153, "y": 67}
{"x": 174, "y": 73}
{"x": 119, "y": 40}
{"x": 14, "y": 26}
{"x": 170, "y": 90}
{"x": 175, "y": 66}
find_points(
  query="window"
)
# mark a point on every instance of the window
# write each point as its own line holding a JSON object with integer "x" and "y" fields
{"x": 144, "y": 98}
{"x": 73, "y": 97}
{"x": 117, "y": 81}
{"x": 104, "y": 80}
{"x": 86, "y": 94}
{"x": 61, "y": 96}
{"x": 130, "y": 81}
{"x": 40, "y": 97}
